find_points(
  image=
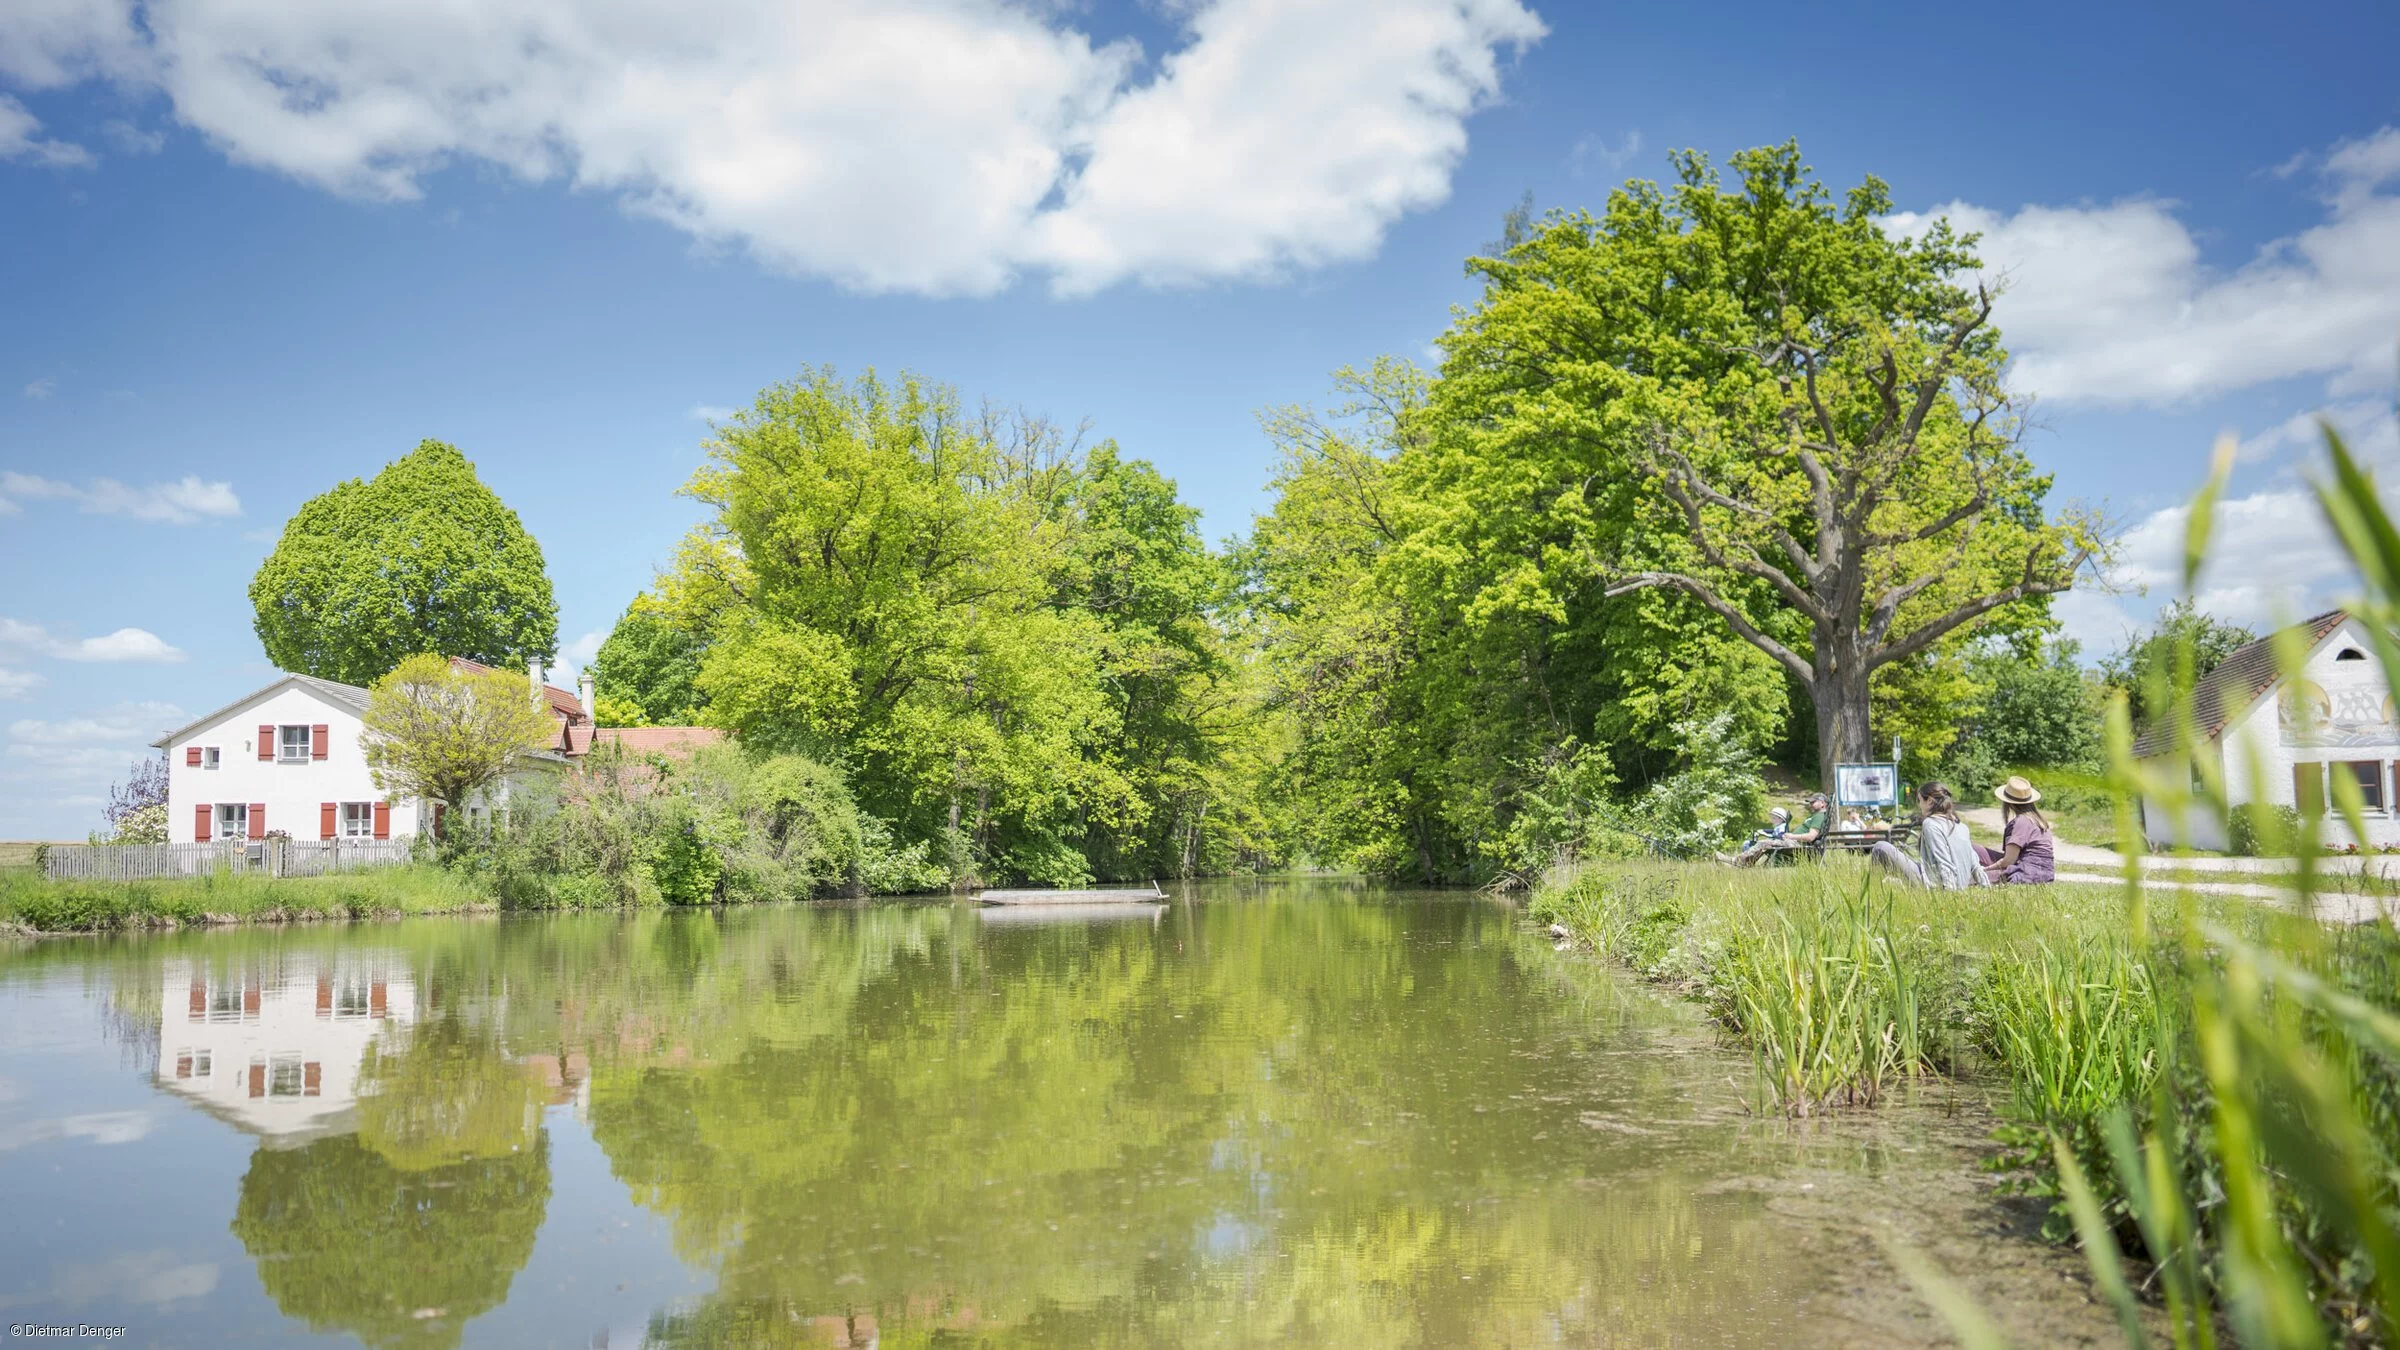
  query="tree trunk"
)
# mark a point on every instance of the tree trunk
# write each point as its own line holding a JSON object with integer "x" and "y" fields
{"x": 1840, "y": 695}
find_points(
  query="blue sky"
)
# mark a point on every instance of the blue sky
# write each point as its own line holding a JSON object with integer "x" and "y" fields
{"x": 254, "y": 248}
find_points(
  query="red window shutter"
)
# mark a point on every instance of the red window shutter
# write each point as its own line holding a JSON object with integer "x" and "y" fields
{"x": 191, "y": 756}
{"x": 320, "y": 741}
{"x": 258, "y": 820}
{"x": 266, "y": 742}
{"x": 383, "y": 820}
{"x": 325, "y": 815}
{"x": 202, "y": 815}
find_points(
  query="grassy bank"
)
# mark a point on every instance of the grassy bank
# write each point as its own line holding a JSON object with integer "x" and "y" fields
{"x": 2104, "y": 1024}
{"x": 30, "y": 902}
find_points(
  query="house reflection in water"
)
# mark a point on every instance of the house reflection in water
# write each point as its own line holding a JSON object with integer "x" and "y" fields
{"x": 277, "y": 1054}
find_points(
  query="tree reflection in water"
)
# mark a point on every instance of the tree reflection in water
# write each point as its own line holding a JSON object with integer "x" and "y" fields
{"x": 346, "y": 1241}
{"x": 1311, "y": 1120}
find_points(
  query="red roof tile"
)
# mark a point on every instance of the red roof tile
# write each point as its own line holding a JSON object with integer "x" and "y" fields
{"x": 673, "y": 742}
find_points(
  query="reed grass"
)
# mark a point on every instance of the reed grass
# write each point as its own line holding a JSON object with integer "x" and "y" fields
{"x": 1843, "y": 985}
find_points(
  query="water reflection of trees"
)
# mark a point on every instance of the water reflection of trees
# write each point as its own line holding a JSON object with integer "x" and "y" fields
{"x": 347, "y": 1241}
{"x": 1258, "y": 1123}
{"x": 1330, "y": 1121}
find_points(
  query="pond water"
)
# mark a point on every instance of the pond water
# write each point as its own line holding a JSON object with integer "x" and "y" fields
{"x": 1291, "y": 1113}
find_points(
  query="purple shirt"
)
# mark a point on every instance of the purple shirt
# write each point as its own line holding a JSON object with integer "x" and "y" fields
{"x": 2035, "y": 863}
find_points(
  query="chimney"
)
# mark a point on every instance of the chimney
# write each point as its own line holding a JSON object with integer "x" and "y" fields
{"x": 533, "y": 673}
{"x": 583, "y": 686}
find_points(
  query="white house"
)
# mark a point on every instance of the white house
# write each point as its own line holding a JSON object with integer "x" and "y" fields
{"x": 288, "y": 759}
{"x": 277, "y": 1053}
{"x": 2282, "y": 741}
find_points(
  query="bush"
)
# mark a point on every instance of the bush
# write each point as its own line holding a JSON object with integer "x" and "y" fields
{"x": 1712, "y": 799}
{"x": 2262, "y": 829}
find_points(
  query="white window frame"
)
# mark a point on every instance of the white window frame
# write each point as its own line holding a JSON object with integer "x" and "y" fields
{"x": 287, "y": 1074}
{"x": 283, "y": 743}
{"x": 233, "y": 820}
{"x": 208, "y": 757}
{"x": 357, "y": 820}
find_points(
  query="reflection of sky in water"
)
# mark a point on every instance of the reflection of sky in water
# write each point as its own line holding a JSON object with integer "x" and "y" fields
{"x": 1228, "y": 1236}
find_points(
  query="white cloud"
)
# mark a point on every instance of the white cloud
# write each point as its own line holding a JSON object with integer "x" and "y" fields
{"x": 2366, "y": 426}
{"x": 41, "y": 388}
{"x": 178, "y": 503}
{"x": 89, "y": 751}
{"x": 131, "y": 139}
{"x": 579, "y": 654}
{"x": 1594, "y": 151}
{"x": 18, "y": 140}
{"x": 2272, "y": 559}
{"x": 710, "y": 412}
{"x": 934, "y": 146}
{"x": 125, "y": 644}
{"x": 2112, "y": 305}
{"x": 18, "y": 684}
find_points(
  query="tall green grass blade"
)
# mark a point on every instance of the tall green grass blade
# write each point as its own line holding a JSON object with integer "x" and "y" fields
{"x": 2099, "y": 1244}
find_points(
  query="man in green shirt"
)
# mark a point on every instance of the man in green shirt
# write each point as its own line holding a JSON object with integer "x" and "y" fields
{"x": 1810, "y": 831}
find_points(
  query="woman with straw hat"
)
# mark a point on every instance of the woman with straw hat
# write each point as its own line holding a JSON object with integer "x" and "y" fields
{"x": 2028, "y": 851}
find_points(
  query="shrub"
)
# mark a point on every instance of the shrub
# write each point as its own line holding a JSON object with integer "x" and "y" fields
{"x": 2262, "y": 829}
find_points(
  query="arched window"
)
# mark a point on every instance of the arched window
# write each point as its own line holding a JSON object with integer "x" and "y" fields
{"x": 2350, "y": 654}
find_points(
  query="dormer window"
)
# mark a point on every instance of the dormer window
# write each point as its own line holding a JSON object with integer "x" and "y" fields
{"x": 2350, "y": 654}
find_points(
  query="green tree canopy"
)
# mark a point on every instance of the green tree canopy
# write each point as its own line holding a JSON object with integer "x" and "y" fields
{"x": 1007, "y": 644}
{"x": 442, "y": 734}
{"x": 1762, "y": 401}
{"x": 421, "y": 557}
{"x": 2033, "y": 706}
{"x": 2150, "y": 662}
{"x": 651, "y": 667}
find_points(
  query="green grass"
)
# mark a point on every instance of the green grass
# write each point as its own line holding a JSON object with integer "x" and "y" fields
{"x": 96, "y": 906}
{"x": 1841, "y": 983}
{"x": 2091, "y": 1011}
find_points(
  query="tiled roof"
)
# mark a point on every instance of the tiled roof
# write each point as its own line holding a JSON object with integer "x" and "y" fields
{"x": 561, "y": 702}
{"x": 673, "y": 742}
{"x": 345, "y": 695}
{"x": 2236, "y": 681}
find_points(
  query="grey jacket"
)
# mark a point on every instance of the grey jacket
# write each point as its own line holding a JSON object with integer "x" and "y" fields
{"x": 1948, "y": 856}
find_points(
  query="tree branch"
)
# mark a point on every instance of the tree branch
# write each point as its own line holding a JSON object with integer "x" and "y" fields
{"x": 1734, "y": 618}
{"x": 2029, "y": 585}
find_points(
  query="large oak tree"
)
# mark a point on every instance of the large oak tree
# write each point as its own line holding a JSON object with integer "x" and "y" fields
{"x": 1774, "y": 405}
{"x": 420, "y": 558}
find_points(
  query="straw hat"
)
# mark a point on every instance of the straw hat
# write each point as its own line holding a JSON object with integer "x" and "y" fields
{"x": 2017, "y": 792}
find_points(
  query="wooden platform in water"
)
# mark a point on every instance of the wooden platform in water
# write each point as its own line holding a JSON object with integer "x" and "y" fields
{"x": 1093, "y": 896}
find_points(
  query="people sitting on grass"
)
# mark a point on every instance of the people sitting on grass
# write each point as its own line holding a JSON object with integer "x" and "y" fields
{"x": 1777, "y": 838}
{"x": 1947, "y": 859}
{"x": 2028, "y": 852}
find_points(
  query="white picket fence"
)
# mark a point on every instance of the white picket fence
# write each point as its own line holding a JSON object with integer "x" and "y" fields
{"x": 264, "y": 857}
